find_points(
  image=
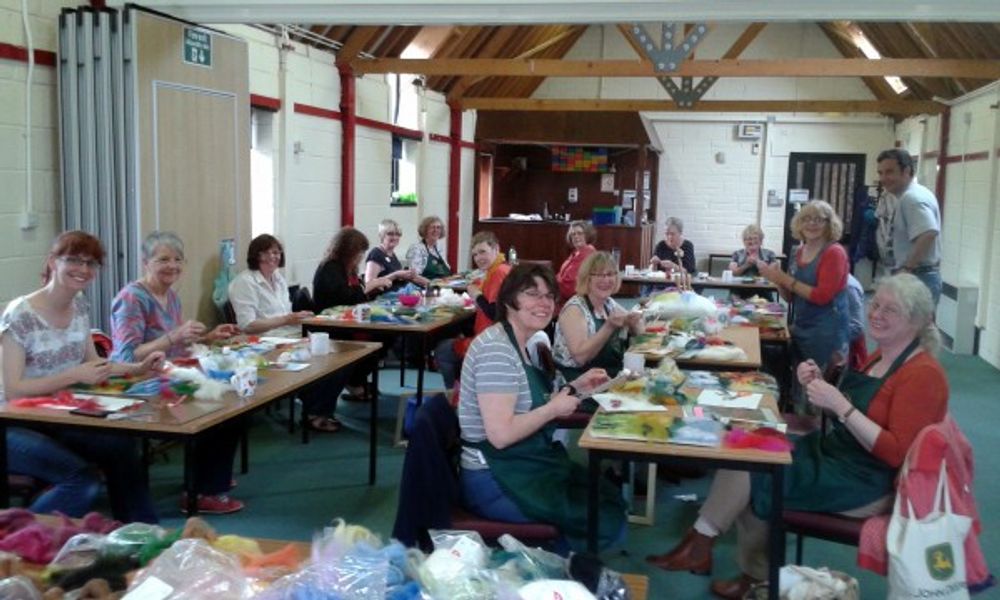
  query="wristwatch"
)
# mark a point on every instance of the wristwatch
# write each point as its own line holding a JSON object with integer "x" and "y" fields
{"x": 572, "y": 389}
{"x": 843, "y": 418}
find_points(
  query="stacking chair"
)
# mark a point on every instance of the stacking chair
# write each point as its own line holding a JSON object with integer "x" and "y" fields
{"x": 429, "y": 491}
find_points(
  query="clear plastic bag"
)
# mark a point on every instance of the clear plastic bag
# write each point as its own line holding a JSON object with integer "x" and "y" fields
{"x": 467, "y": 546}
{"x": 81, "y": 550}
{"x": 535, "y": 563}
{"x": 193, "y": 570}
{"x": 129, "y": 539}
{"x": 18, "y": 587}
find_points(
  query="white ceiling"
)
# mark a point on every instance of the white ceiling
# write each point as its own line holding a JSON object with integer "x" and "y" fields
{"x": 486, "y": 12}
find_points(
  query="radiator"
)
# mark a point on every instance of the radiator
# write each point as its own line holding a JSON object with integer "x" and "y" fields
{"x": 956, "y": 317}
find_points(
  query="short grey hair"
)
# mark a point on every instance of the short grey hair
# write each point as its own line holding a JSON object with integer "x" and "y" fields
{"x": 388, "y": 226}
{"x": 674, "y": 222}
{"x": 915, "y": 299}
{"x": 161, "y": 238}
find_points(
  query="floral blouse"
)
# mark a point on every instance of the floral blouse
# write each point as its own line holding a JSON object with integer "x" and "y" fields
{"x": 137, "y": 318}
{"x": 47, "y": 350}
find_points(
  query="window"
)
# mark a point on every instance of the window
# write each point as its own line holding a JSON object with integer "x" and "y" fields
{"x": 261, "y": 171}
{"x": 403, "y": 191}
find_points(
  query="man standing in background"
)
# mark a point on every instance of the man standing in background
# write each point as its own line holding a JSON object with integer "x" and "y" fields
{"x": 916, "y": 222}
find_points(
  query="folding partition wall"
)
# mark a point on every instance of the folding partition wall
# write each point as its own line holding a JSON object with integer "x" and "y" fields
{"x": 154, "y": 134}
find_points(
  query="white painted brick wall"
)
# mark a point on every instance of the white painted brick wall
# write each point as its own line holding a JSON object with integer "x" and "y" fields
{"x": 22, "y": 253}
{"x": 716, "y": 201}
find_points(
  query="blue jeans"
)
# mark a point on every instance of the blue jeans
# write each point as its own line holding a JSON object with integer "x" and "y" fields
{"x": 932, "y": 279}
{"x": 71, "y": 461}
{"x": 483, "y": 496}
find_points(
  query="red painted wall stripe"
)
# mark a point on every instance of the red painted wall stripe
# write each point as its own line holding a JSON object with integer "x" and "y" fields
{"x": 437, "y": 137}
{"x": 405, "y": 132}
{"x": 971, "y": 157}
{"x": 315, "y": 111}
{"x": 265, "y": 102}
{"x": 46, "y": 58}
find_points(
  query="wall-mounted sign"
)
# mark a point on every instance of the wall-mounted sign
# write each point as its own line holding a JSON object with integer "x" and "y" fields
{"x": 798, "y": 196}
{"x": 628, "y": 199}
{"x": 197, "y": 47}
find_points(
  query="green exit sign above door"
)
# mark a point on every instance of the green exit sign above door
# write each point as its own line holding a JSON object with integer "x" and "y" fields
{"x": 197, "y": 47}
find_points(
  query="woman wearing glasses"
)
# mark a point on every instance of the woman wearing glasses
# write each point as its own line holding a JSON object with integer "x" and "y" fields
{"x": 592, "y": 331}
{"x": 47, "y": 347}
{"x": 259, "y": 294}
{"x": 511, "y": 470}
{"x": 383, "y": 262}
{"x": 146, "y": 317}
{"x": 745, "y": 260}
{"x": 424, "y": 257}
{"x": 816, "y": 285}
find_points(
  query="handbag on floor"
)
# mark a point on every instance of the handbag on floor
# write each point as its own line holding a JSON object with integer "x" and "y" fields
{"x": 927, "y": 556}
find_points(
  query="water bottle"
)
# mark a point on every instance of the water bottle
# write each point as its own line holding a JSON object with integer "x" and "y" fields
{"x": 512, "y": 256}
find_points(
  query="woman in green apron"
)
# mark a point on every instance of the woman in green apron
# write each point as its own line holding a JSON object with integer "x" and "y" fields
{"x": 511, "y": 469}
{"x": 592, "y": 331}
{"x": 423, "y": 257}
{"x": 851, "y": 467}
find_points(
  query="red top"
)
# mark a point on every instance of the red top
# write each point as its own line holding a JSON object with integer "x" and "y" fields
{"x": 490, "y": 289}
{"x": 912, "y": 398}
{"x": 831, "y": 274}
{"x": 569, "y": 270}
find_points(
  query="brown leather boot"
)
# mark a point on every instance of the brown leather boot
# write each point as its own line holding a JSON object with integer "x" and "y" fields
{"x": 693, "y": 554}
{"x": 734, "y": 589}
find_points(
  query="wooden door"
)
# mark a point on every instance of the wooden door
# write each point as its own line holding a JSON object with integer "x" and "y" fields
{"x": 194, "y": 148}
{"x": 829, "y": 177}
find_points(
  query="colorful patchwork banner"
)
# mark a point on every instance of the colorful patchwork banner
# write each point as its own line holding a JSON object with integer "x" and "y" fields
{"x": 580, "y": 159}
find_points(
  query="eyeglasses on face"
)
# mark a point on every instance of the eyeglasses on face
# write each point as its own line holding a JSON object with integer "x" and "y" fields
{"x": 604, "y": 275}
{"x": 162, "y": 261}
{"x": 814, "y": 220}
{"x": 272, "y": 252}
{"x": 888, "y": 310}
{"x": 80, "y": 261}
{"x": 536, "y": 295}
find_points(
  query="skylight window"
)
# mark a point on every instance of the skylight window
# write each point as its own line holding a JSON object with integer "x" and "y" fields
{"x": 865, "y": 45}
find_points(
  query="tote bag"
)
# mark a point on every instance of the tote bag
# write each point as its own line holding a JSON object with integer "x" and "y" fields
{"x": 927, "y": 556}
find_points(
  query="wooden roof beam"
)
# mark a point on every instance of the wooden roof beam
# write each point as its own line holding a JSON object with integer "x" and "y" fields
{"x": 800, "y": 67}
{"x": 356, "y": 42}
{"x": 896, "y": 107}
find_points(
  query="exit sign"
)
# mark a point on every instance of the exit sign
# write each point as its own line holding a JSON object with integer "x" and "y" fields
{"x": 197, "y": 47}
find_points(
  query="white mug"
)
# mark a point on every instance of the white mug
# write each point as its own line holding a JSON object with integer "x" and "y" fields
{"x": 727, "y": 275}
{"x": 629, "y": 269}
{"x": 319, "y": 343}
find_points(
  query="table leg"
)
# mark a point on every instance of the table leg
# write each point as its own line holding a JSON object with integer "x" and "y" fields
{"x": 402, "y": 360}
{"x": 373, "y": 430}
{"x": 190, "y": 456}
{"x": 776, "y": 541}
{"x": 4, "y": 483}
{"x": 245, "y": 447}
{"x": 593, "y": 481}
{"x": 421, "y": 368}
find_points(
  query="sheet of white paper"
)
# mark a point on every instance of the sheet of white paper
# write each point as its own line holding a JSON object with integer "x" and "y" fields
{"x": 291, "y": 366}
{"x": 278, "y": 341}
{"x": 612, "y": 402}
{"x": 112, "y": 403}
{"x": 730, "y": 399}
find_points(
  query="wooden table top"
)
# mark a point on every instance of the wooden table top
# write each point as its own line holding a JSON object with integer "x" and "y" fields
{"x": 736, "y": 283}
{"x": 193, "y": 416}
{"x": 321, "y": 322}
{"x": 591, "y": 442}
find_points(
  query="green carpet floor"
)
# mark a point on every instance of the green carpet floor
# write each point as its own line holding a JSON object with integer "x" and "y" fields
{"x": 292, "y": 489}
